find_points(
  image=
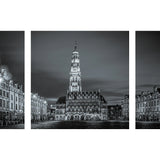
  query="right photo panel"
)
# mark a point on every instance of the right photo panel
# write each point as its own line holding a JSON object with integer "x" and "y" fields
{"x": 147, "y": 80}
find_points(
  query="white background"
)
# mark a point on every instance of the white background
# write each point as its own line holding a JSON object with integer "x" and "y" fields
{"x": 79, "y": 15}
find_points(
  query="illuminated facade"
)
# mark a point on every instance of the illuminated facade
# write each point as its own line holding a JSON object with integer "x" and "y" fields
{"x": 84, "y": 105}
{"x": 78, "y": 104}
{"x": 11, "y": 100}
{"x": 148, "y": 105}
{"x": 125, "y": 107}
{"x": 38, "y": 108}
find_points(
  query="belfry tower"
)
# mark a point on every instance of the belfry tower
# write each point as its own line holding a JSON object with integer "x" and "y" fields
{"x": 75, "y": 73}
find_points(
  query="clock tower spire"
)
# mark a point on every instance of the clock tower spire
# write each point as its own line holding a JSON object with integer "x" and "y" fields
{"x": 75, "y": 73}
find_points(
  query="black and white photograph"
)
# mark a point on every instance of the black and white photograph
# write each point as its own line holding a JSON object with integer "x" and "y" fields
{"x": 80, "y": 79}
{"x": 148, "y": 80}
{"x": 11, "y": 80}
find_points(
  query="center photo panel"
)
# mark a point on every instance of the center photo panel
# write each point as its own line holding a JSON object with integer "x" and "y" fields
{"x": 80, "y": 79}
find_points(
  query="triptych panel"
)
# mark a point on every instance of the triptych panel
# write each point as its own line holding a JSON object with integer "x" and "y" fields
{"x": 79, "y": 80}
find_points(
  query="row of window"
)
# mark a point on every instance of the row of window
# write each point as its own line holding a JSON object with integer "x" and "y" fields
{"x": 5, "y": 104}
{"x": 60, "y": 112}
{"x": 149, "y": 97}
{"x": 38, "y": 109}
{"x": 125, "y": 110}
{"x": 78, "y": 110}
{"x": 4, "y": 93}
{"x": 36, "y": 103}
{"x": 6, "y": 86}
{"x": 154, "y": 109}
{"x": 84, "y": 107}
{"x": 82, "y": 97}
{"x": 36, "y": 106}
{"x": 145, "y": 104}
{"x": 83, "y": 110}
{"x": 82, "y": 104}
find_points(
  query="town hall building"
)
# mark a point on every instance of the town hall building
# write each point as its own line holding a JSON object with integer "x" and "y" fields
{"x": 79, "y": 104}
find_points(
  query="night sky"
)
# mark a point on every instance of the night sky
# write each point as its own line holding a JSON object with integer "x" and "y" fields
{"x": 12, "y": 54}
{"x": 104, "y": 61}
{"x": 148, "y": 60}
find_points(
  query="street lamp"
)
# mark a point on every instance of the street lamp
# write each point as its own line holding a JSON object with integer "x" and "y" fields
{"x": 34, "y": 96}
{"x": 45, "y": 102}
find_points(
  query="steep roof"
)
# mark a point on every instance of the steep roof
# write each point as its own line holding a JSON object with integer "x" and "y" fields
{"x": 61, "y": 100}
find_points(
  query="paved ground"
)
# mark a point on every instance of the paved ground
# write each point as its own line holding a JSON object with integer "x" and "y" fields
{"x": 81, "y": 125}
{"x": 17, "y": 126}
{"x": 147, "y": 125}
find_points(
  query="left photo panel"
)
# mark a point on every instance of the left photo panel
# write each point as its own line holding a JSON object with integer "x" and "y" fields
{"x": 12, "y": 80}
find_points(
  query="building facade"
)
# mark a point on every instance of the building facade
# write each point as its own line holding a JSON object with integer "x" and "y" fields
{"x": 11, "y": 100}
{"x": 148, "y": 105}
{"x": 85, "y": 106}
{"x": 125, "y": 107}
{"x": 51, "y": 111}
{"x": 38, "y": 108}
{"x": 114, "y": 112}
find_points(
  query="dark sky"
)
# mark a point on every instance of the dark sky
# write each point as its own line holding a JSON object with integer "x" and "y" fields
{"x": 148, "y": 59}
{"x": 12, "y": 53}
{"x": 103, "y": 59}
